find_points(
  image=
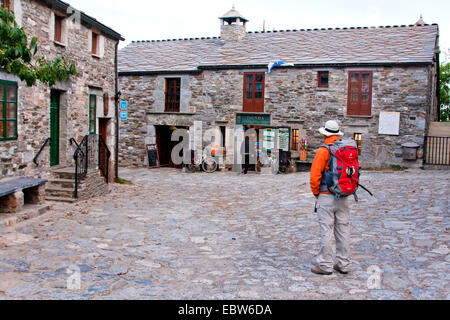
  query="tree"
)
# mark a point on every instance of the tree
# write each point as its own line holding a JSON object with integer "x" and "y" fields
{"x": 444, "y": 88}
{"x": 16, "y": 56}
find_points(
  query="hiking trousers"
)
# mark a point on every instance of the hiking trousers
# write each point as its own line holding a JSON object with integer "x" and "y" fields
{"x": 334, "y": 218}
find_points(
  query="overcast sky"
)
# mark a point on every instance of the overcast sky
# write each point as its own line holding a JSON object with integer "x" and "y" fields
{"x": 155, "y": 20}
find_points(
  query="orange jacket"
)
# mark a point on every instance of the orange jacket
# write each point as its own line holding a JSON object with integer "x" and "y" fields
{"x": 320, "y": 164}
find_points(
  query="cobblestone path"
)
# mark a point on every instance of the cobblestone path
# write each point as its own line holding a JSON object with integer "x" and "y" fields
{"x": 221, "y": 236}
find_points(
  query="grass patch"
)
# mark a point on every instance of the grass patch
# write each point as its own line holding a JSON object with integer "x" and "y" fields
{"x": 122, "y": 181}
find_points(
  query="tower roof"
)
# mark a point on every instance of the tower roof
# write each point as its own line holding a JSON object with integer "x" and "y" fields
{"x": 233, "y": 14}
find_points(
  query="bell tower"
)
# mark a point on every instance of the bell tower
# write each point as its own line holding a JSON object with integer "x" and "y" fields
{"x": 233, "y": 26}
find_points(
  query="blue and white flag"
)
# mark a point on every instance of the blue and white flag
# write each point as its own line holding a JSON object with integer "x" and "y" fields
{"x": 279, "y": 64}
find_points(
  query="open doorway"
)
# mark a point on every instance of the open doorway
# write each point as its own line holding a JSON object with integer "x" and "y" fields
{"x": 165, "y": 145}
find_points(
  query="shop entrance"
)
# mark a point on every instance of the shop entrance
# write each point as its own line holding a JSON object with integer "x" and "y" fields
{"x": 165, "y": 145}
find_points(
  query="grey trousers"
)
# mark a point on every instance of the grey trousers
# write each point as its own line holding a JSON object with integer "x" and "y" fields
{"x": 334, "y": 217}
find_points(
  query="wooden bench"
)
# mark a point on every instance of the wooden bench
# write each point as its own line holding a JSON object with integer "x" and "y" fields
{"x": 16, "y": 192}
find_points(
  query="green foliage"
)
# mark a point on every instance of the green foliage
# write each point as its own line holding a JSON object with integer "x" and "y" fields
{"x": 122, "y": 181}
{"x": 16, "y": 56}
{"x": 445, "y": 91}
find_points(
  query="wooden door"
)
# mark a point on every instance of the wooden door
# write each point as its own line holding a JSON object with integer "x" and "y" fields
{"x": 103, "y": 128}
{"x": 54, "y": 127}
{"x": 254, "y": 92}
{"x": 359, "y": 93}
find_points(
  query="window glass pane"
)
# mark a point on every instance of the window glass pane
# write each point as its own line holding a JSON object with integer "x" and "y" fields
{"x": 1, "y": 129}
{"x": 259, "y": 87}
{"x": 1, "y": 92}
{"x": 10, "y": 129}
{"x": 258, "y": 95}
{"x": 365, "y": 97}
{"x": 355, "y": 78}
{"x": 366, "y": 77}
{"x": 11, "y": 93}
{"x": 324, "y": 79}
{"x": 250, "y": 78}
{"x": 249, "y": 95}
{"x": 11, "y": 110}
{"x": 354, "y": 95}
{"x": 365, "y": 87}
{"x": 259, "y": 78}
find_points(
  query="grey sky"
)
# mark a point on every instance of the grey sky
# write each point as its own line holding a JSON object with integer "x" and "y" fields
{"x": 153, "y": 20}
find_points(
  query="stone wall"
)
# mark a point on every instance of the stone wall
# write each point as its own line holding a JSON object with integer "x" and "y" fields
{"x": 95, "y": 73}
{"x": 293, "y": 99}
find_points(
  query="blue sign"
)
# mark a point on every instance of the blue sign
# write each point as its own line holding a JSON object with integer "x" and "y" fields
{"x": 123, "y": 105}
{"x": 124, "y": 115}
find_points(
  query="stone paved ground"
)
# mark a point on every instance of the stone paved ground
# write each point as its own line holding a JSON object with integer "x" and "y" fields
{"x": 200, "y": 236}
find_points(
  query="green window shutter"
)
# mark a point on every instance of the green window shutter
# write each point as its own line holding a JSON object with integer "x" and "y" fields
{"x": 8, "y": 110}
{"x": 92, "y": 114}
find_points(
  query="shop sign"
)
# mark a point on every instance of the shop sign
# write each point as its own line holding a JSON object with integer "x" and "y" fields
{"x": 253, "y": 119}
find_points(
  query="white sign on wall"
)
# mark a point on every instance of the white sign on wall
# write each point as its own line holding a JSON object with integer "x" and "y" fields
{"x": 389, "y": 123}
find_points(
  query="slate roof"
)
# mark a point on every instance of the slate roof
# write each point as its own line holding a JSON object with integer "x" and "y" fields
{"x": 380, "y": 45}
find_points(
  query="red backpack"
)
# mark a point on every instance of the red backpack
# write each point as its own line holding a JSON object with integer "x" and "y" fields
{"x": 342, "y": 178}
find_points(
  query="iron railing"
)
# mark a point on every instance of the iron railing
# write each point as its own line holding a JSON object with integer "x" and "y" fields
{"x": 103, "y": 158}
{"x": 35, "y": 159}
{"x": 80, "y": 157}
{"x": 437, "y": 151}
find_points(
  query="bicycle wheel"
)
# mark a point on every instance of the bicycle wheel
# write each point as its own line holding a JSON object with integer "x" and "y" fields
{"x": 209, "y": 165}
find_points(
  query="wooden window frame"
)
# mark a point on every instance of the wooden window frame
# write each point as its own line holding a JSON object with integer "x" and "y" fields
{"x": 92, "y": 122}
{"x": 6, "y": 4}
{"x": 253, "y": 104}
{"x": 173, "y": 95}
{"x": 319, "y": 79}
{"x": 359, "y": 109}
{"x": 295, "y": 139}
{"x": 95, "y": 43}
{"x": 3, "y": 106}
{"x": 58, "y": 28}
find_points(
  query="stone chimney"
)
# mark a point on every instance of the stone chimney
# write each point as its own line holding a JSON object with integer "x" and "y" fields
{"x": 233, "y": 27}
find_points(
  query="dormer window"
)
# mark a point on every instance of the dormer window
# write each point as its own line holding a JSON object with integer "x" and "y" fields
{"x": 95, "y": 41}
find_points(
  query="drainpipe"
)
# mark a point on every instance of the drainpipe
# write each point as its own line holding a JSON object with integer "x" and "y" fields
{"x": 116, "y": 100}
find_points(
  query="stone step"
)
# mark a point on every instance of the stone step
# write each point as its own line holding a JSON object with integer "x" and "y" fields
{"x": 64, "y": 173}
{"x": 61, "y": 183}
{"x": 60, "y": 192}
{"x": 61, "y": 199}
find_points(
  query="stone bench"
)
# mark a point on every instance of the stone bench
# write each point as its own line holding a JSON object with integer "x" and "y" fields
{"x": 16, "y": 192}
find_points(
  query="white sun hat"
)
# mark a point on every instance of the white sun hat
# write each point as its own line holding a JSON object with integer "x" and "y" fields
{"x": 332, "y": 128}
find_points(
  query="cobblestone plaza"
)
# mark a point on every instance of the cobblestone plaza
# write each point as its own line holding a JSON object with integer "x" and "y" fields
{"x": 224, "y": 236}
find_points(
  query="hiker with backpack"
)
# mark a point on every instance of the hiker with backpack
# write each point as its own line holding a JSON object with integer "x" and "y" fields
{"x": 334, "y": 177}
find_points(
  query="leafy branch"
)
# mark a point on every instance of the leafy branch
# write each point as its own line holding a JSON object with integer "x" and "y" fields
{"x": 16, "y": 56}
{"x": 445, "y": 91}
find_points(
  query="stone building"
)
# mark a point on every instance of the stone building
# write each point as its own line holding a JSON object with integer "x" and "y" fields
{"x": 379, "y": 82}
{"x": 84, "y": 104}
